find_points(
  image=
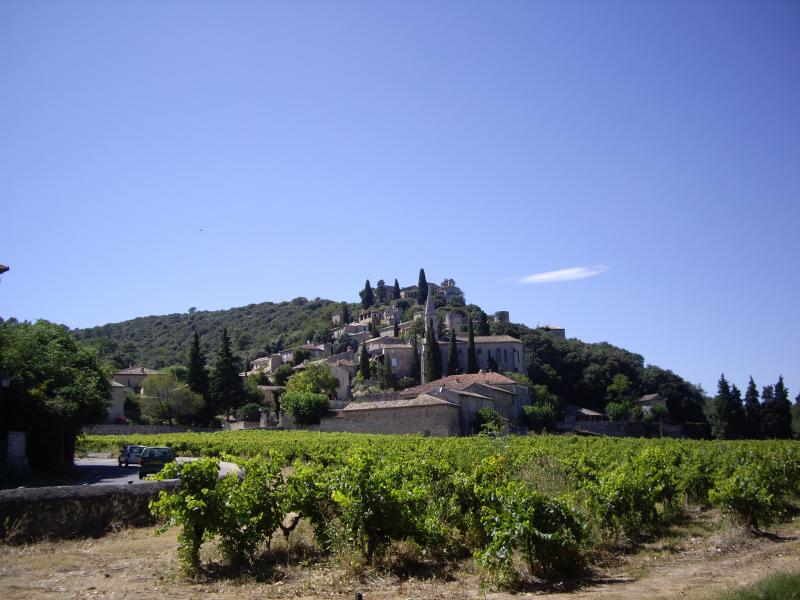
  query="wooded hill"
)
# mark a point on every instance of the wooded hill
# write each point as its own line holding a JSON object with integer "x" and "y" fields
{"x": 254, "y": 330}
{"x": 577, "y": 372}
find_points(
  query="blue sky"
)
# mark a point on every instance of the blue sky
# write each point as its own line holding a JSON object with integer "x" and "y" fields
{"x": 158, "y": 156}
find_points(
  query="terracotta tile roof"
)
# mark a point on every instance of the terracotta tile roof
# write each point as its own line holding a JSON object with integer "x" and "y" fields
{"x": 460, "y": 381}
{"x": 421, "y": 400}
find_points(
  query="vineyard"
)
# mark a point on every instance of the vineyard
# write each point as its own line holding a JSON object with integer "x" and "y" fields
{"x": 520, "y": 506}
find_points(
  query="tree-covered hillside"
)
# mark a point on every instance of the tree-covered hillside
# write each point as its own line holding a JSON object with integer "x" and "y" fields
{"x": 254, "y": 330}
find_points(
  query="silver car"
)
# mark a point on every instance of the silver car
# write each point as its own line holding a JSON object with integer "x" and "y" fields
{"x": 130, "y": 455}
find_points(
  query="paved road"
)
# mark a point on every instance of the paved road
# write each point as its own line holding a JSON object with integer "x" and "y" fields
{"x": 106, "y": 471}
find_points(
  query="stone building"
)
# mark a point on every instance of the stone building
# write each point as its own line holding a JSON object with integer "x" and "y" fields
{"x": 133, "y": 377}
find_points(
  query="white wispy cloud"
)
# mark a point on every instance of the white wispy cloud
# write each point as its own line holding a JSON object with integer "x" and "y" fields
{"x": 571, "y": 274}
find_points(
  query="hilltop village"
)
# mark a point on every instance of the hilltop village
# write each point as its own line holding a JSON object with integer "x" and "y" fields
{"x": 398, "y": 338}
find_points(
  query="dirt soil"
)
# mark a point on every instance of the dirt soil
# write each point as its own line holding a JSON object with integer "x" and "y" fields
{"x": 134, "y": 563}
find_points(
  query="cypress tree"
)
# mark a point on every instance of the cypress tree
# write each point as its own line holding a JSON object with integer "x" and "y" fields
{"x": 777, "y": 416}
{"x": 453, "y": 368}
{"x": 227, "y": 389}
{"x": 720, "y": 410}
{"x": 493, "y": 367}
{"x": 345, "y": 313}
{"x": 396, "y": 290}
{"x": 433, "y": 358}
{"x": 385, "y": 375}
{"x": 198, "y": 375}
{"x": 472, "y": 357}
{"x": 416, "y": 367}
{"x": 396, "y": 329}
{"x": 367, "y": 297}
{"x": 363, "y": 361}
{"x": 752, "y": 411}
{"x": 422, "y": 288}
{"x": 380, "y": 292}
{"x": 737, "y": 423}
{"x": 483, "y": 324}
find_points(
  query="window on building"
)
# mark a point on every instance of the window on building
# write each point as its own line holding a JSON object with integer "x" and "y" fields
{"x": 394, "y": 362}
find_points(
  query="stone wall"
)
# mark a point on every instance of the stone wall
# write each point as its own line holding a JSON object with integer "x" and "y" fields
{"x": 30, "y": 514}
{"x": 622, "y": 428}
{"x": 112, "y": 429}
{"x": 440, "y": 420}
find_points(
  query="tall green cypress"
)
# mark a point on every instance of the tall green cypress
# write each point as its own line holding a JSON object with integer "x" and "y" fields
{"x": 396, "y": 290}
{"x": 385, "y": 375}
{"x": 472, "y": 357}
{"x": 422, "y": 288}
{"x": 363, "y": 361}
{"x": 367, "y": 297}
{"x": 433, "y": 358}
{"x": 777, "y": 416}
{"x": 198, "y": 375}
{"x": 416, "y": 366}
{"x": 453, "y": 368}
{"x": 227, "y": 388}
{"x": 752, "y": 411}
{"x": 483, "y": 324}
{"x": 345, "y": 313}
{"x": 396, "y": 329}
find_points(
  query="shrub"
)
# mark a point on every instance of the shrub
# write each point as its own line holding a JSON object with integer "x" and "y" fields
{"x": 305, "y": 408}
{"x": 539, "y": 417}
{"x": 488, "y": 420}
{"x": 744, "y": 495}
{"x": 249, "y": 412}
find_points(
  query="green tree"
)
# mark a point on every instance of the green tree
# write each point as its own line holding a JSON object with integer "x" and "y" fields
{"x": 396, "y": 290}
{"x": 316, "y": 378}
{"x": 416, "y": 365}
{"x": 300, "y": 355}
{"x": 363, "y": 361}
{"x": 386, "y": 378}
{"x": 227, "y": 389}
{"x": 492, "y": 366}
{"x": 380, "y": 292}
{"x": 198, "y": 374}
{"x": 167, "y": 400}
{"x": 472, "y": 357}
{"x": 620, "y": 390}
{"x": 56, "y": 385}
{"x": 433, "y": 358}
{"x": 345, "y": 313}
{"x": 777, "y": 416}
{"x": 396, "y": 330}
{"x": 282, "y": 374}
{"x": 422, "y": 288}
{"x": 367, "y": 297}
{"x": 483, "y": 324}
{"x": 752, "y": 411}
{"x": 726, "y": 414}
{"x": 488, "y": 420}
{"x": 453, "y": 367}
{"x": 305, "y": 408}
{"x": 539, "y": 417}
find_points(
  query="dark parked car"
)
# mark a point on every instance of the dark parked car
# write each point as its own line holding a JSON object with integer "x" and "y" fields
{"x": 130, "y": 455}
{"x": 153, "y": 460}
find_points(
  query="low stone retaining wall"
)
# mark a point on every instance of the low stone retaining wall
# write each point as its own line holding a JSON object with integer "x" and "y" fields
{"x": 32, "y": 514}
{"x": 114, "y": 429}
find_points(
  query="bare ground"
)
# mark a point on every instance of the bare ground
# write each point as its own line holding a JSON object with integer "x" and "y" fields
{"x": 688, "y": 562}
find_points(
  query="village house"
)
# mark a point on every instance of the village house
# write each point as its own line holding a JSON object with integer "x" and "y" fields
{"x": 133, "y": 377}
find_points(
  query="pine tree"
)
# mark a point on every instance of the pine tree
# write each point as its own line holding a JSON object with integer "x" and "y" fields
{"x": 433, "y": 358}
{"x": 363, "y": 361}
{"x": 380, "y": 292}
{"x": 197, "y": 378}
{"x": 396, "y": 290}
{"x": 422, "y": 288}
{"x": 472, "y": 357}
{"x": 737, "y": 423}
{"x": 720, "y": 410}
{"x": 752, "y": 411}
{"x": 416, "y": 366}
{"x": 777, "y": 416}
{"x": 367, "y": 297}
{"x": 483, "y": 324}
{"x": 227, "y": 390}
{"x": 453, "y": 368}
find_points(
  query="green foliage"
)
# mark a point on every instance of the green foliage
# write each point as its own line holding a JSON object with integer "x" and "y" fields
{"x": 616, "y": 411}
{"x": 163, "y": 340}
{"x": 363, "y": 362}
{"x": 380, "y": 292}
{"x": 227, "y": 389}
{"x": 282, "y": 374}
{"x": 367, "y": 296}
{"x": 167, "y": 400}
{"x": 488, "y": 420}
{"x": 752, "y": 410}
{"x": 249, "y": 412}
{"x": 422, "y": 287}
{"x": 386, "y": 378}
{"x": 780, "y": 586}
{"x": 453, "y": 367}
{"x": 726, "y": 414}
{"x": 300, "y": 355}
{"x": 416, "y": 364}
{"x": 539, "y": 417}
{"x": 316, "y": 378}
{"x": 433, "y": 358}
{"x": 56, "y": 385}
{"x": 197, "y": 376}
{"x": 305, "y": 407}
{"x": 472, "y": 357}
{"x": 777, "y": 413}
